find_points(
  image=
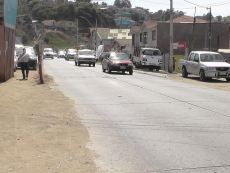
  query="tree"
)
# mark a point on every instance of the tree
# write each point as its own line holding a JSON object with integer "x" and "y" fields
{"x": 104, "y": 4}
{"x": 166, "y": 15}
{"x": 46, "y": 40}
{"x": 219, "y": 18}
{"x": 135, "y": 16}
{"x": 122, "y": 3}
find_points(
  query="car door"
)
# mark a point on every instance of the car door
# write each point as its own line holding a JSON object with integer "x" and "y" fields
{"x": 195, "y": 65}
{"x": 189, "y": 62}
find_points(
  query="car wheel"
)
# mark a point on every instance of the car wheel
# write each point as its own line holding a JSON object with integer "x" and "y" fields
{"x": 35, "y": 67}
{"x": 157, "y": 68}
{"x": 184, "y": 72}
{"x": 78, "y": 64}
{"x": 141, "y": 66}
{"x": 109, "y": 71}
{"x": 151, "y": 68}
{"x": 130, "y": 72}
{"x": 202, "y": 75}
{"x": 89, "y": 65}
{"x": 123, "y": 71}
{"x": 93, "y": 64}
{"x": 228, "y": 79}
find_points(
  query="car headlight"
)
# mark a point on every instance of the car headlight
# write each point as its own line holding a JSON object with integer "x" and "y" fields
{"x": 114, "y": 64}
{"x": 211, "y": 68}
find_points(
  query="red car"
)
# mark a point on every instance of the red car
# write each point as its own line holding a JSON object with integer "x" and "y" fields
{"x": 117, "y": 62}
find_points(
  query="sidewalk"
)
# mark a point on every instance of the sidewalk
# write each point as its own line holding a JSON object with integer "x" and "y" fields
{"x": 39, "y": 129}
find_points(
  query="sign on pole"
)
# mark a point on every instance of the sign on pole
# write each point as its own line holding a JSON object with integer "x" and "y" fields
{"x": 10, "y": 13}
{"x": 181, "y": 45}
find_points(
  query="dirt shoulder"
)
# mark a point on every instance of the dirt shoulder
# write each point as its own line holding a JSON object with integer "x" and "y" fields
{"x": 39, "y": 129}
{"x": 220, "y": 84}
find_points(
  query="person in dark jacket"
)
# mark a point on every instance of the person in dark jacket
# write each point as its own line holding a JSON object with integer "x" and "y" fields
{"x": 24, "y": 63}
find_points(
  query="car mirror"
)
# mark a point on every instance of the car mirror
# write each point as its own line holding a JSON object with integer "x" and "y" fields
{"x": 196, "y": 59}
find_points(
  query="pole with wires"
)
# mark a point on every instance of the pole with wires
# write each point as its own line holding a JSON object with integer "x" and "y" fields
{"x": 210, "y": 30}
{"x": 170, "y": 70}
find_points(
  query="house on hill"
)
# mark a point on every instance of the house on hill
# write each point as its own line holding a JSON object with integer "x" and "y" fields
{"x": 112, "y": 39}
{"x": 50, "y": 24}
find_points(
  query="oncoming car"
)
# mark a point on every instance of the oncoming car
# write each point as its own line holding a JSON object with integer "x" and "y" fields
{"x": 48, "y": 53}
{"x": 70, "y": 54}
{"x": 117, "y": 62}
{"x": 85, "y": 56}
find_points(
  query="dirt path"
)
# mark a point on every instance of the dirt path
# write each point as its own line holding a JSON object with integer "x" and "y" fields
{"x": 39, "y": 129}
{"x": 220, "y": 84}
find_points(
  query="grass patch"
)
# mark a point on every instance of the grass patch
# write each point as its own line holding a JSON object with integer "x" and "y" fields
{"x": 58, "y": 40}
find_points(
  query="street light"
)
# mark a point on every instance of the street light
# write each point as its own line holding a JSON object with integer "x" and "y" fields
{"x": 95, "y": 34}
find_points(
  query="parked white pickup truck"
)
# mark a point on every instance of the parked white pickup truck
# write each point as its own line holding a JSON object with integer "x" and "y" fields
{"x": 148, "y": 58}
{"x": 206, "y": 65}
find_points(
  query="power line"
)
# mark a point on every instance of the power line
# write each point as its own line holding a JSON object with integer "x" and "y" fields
{"x": 210, "y": 5}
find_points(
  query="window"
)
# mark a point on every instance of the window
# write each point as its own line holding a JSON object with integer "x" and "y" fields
{"x": 140, "y": 37}
{"x": 191, "y": 57}
{"x": 145, "y": 38}
{"x": 154, "y": 35}
{"x": 133, "y": 39}
{"x": 196, "y": 56}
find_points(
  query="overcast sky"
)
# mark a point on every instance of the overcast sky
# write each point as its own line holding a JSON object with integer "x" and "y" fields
{"x": 218, "y": 7}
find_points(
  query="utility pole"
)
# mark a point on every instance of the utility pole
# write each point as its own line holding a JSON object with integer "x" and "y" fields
{"x": 210, "y": 30}
{"x": 77, "y": 31}
{"x": 96, "y": 38}
{"x": 42, "y": 34}
{"x": 170, "y": 70}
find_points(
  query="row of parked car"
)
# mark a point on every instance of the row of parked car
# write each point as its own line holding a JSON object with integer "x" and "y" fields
{"x": 33, "y": 57}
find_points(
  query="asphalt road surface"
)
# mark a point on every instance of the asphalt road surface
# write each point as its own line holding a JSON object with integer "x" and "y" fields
{"x": 145, "y": 123}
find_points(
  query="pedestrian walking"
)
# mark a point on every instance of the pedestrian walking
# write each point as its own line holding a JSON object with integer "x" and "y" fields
{"x": 174, "y": 63}
{"x": 24, "y": 64}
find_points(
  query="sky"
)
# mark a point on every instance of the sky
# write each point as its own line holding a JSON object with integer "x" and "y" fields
{"x": 218, "y": 7}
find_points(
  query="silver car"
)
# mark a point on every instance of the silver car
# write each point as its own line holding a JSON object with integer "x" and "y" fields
{"x": 85, "y": 56}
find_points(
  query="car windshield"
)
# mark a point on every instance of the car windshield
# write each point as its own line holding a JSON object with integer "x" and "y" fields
{"x": 30, "y": 51}
{"x": 211, "y": 58}
{"x": 72, "y": 51}
{"x": 151, "y": 52}
{"x": 86, "y": 53}
{"x": 103, "y": 54}
{"x": 119, "y": 56}
{"x": 19, "y": 51}
{"x": 47, "y": 50}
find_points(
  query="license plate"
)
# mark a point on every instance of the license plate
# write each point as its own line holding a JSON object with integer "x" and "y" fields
{"x": 222, "y": 73}
{"x": 122, "y": 67}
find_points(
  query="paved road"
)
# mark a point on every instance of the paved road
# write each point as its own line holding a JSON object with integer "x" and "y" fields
{"x": 143, "y": 123}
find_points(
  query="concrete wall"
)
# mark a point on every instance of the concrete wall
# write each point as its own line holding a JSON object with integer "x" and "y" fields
{"x": 182, "y": 32}
{"x": 7, "y": 45}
